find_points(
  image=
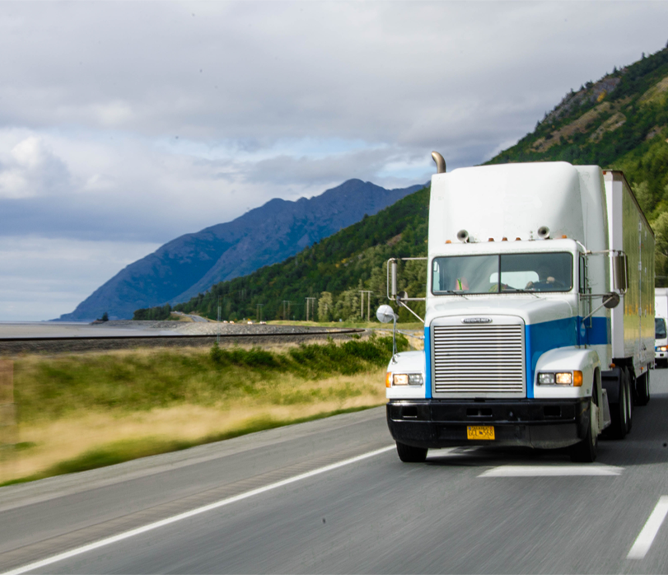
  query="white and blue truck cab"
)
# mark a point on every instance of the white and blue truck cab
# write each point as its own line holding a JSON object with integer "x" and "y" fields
{"x": 539, "y": 321}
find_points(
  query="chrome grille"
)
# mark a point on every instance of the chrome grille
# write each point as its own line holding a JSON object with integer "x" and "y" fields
{"x": 478, "y": 360}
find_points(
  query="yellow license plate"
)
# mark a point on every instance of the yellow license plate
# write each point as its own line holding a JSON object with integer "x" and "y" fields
{"x": 480, "y": 432}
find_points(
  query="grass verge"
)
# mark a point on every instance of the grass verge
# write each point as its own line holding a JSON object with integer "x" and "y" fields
{"x": 83, "y": 411}
{"x": 129, "y": 449}
{"x": 348, "y": 324}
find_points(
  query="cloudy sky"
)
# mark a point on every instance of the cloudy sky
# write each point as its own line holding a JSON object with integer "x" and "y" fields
{"x": 126, "y": 124}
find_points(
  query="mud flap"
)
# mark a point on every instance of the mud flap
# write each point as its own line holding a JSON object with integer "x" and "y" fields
{"x": 604, "y": 414}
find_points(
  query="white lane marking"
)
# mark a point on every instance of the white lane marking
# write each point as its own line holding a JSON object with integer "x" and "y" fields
{"x": 551, "y": 471}
{"x": 193, "y": 512}
{"x": 649, "y": 531}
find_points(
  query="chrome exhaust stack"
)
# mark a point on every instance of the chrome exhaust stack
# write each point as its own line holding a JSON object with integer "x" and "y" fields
{"x": 440, "y": 162}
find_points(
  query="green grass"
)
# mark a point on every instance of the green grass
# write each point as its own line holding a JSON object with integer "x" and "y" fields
{"x": 88, "y": 410}
{"x": 350, "y": 324}
{"x": 47, "y": 389}
{"x": 127, "y": 450}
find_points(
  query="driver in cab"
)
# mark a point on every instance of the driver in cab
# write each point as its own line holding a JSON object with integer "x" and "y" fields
{"x": 546, "y": 281}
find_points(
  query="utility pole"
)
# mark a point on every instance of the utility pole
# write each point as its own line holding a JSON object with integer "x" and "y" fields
{"x": 311, "y": 301}
{"x": 368, "y": 300}
{"x": 258, "y": 311}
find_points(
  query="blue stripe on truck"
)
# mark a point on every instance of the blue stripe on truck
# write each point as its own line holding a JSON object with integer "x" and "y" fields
{"x": 542, "y": 337}
{"x": 539, "y": 338}
{"x": 427, "y": 363}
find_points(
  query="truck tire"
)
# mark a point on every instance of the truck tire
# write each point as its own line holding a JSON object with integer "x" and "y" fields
{"x": 619, "y": 411}
{"x": 642, "y": 389}
{"x": 585, "y": 451}
{"x": 410, "y": 454}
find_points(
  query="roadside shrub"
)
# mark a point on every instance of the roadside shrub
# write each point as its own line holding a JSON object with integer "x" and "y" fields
{"x": 51, "y": 388}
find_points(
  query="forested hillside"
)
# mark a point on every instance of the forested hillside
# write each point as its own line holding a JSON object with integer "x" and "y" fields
{"x": 619, "y": 122}
{"x": 333, "y": 271}
{"x": 192, "y": 263}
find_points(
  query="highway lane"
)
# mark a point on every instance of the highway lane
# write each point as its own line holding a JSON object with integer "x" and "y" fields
{"x": 376, "y": 515}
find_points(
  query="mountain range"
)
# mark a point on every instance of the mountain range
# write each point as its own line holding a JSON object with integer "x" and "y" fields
{"x": 192, "y": 263}
{"x": 618, "y": 122}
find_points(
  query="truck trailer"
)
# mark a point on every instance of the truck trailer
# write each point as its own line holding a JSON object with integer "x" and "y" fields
{"x": 539, "y": 312}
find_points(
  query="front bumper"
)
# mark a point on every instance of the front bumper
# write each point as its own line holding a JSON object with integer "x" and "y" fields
{"x": 542, "y": 424}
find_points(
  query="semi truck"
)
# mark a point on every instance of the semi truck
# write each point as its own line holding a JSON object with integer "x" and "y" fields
{"x": 539, "y": 312}
{"x": 660, "y": 335}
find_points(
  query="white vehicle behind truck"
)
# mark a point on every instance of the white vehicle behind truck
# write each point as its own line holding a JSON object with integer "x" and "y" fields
{"x": 539, "y": 322}
{"x": 661, "y": 338}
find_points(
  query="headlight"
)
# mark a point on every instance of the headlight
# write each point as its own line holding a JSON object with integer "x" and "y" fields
{"x": 400, "y": 379}
{"x": 661, "y": 348}
{"x": 407, "y": 379}
{"x": 415, "y": 379}
{"x": 573, "y": 378}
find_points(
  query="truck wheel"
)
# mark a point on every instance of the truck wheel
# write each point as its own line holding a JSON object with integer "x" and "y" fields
{"x": 619, "y": 411}
{"x": 410, "y": 454}
{"x": 585, "y": 451}
{"x": 642, "y": 389}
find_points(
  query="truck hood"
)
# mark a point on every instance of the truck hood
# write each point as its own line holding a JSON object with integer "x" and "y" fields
{"x": 531, "y": 310}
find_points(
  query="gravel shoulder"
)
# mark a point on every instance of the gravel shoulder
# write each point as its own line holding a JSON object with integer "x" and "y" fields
{"x": 45, "y": 337}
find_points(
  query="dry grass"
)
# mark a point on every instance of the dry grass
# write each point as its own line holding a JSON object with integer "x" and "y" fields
{"x": 89, "y": 410}
{"x": 179, "y": 317}
{"x": 655, "y": 93}
{"x": 50, "y": 443}
{"x": 580, "y": 124}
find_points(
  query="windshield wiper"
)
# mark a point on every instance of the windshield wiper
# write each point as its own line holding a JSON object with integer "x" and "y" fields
{"x": 453, "y": 292}
{"x": 518, "y": 290}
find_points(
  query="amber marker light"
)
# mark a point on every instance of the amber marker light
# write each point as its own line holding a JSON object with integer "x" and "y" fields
{"x": 577, "y": 379}
{"x": 388, "y": 379}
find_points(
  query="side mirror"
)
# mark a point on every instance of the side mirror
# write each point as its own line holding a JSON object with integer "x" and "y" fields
{"x": 611, "y": 300}
{"x": 385, "y": 314}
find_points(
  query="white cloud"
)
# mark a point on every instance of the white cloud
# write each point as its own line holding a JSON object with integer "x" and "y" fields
{"x": 141, "y": 121}
{"x": 31, "y": 169}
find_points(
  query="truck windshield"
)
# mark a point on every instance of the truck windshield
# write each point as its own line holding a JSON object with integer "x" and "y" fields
{"x": 659, "y": 328}
{"x": 540, "y": 272}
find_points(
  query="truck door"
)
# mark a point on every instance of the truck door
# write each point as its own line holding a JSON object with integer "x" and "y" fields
{"x": 585, "y": 302}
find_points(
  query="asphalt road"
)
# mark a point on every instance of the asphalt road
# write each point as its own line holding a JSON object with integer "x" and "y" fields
{"x": 292, "y": 501}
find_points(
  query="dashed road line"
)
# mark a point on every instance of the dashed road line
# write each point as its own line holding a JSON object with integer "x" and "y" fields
{"x": 649, "y": 531}
{"x": 552, "y": 471}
